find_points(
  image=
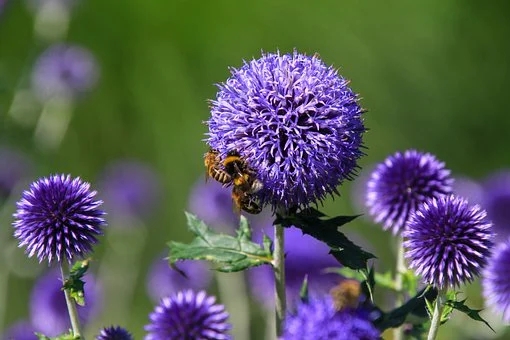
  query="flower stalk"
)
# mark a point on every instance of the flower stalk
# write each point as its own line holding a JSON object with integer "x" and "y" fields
{"x": 399, "y": 280}
{"x": 436, "y": 316}
{"x": 279, "y": 277}
{"x": 71, "y": 306}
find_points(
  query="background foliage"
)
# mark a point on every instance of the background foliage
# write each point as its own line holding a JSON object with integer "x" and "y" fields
{"x": 433, "y": 75}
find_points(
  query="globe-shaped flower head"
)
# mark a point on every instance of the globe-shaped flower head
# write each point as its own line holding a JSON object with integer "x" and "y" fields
{"x": 401, "y": 183}
{"x": 188, "y": 315}
{"x": 496, "y": 280}
{"x": 295, "y": 121}
{"x": 114, "y": 333}
{"x": 58, "y": 218}
{"x": 448, "y": 241}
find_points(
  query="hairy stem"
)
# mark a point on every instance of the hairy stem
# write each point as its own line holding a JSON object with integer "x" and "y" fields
{"x": 71, "y": 306}
{"x": 279, "y": 277}
{"x": 399, "y": 276}
{"x": 436, "y": 316}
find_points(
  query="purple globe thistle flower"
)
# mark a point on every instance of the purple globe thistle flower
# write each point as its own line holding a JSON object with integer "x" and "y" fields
{"x": 448, "y": 241}
{"x": 22, "y": 330}
{"x": 163, "y": 281}
{"x": 295, "y": 121}
{"x": 130, "y": 189}
{"x": 188, "y": 315}
{"x": 64, "y": 71}
{"x": 318, "y": 319}
{"x": 496, "y": 280}
{"x": 48, "y": 308}
{"x": 305, "y": 256}
{"x": 469, "y": 189}
{"x": 14, "y": 167}
{"x": 496, "y": 199}
{"x": 114, "y": 333}
{"x": 401, "y": 183}
{"x": 58, "y": 218}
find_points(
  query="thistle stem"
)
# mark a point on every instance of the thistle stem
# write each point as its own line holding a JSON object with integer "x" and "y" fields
{"x": 399, "y": 278}
{"x": 279, "y": 277}
{"x": 436, "y": 316}
{"x": 71, "y": 306}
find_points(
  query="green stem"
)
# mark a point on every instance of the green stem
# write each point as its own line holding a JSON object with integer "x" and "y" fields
{"x": 436, "y": 316}
{"x": 71, "y": 306}
{"x": 279, "y": 277}
{"x": 399, "y": 278}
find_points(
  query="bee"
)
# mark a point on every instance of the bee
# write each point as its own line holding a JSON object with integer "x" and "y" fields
{"x": 243, "y": 177}
{"x": 245, "y": 201}
{"x": 213, "y": 168}
{"x": 346, "y": 294}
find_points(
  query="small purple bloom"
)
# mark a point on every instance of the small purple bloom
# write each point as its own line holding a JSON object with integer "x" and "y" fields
{"x": 130, "y": 189}
{"x": 64, "y": 70}
{"x": 295, "y": 121}
{"x": 114, "y": 333}
{"x": 401, "y": 183}
{"x": 305, "y": 256}
{"x": 163, "y": 281}
{"x": 448, "y": 241}
{"x": 319, "y": 320}
{"x": 48, "y": 309}
{"x": 188, "y": 315}
{"x": 496, "y": 199}
{"x": 22, "y": 330}
{"x": 496, "y": 280}
{"x": 14, "y": 167}
{"x": 58, "y": 219}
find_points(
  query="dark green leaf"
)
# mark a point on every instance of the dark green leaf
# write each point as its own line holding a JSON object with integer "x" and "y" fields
{"x": 74, "y": 283}
{"x": 472, "y": 313}
{"x": 229, "y": 253}
{"x": 314, "y": 223}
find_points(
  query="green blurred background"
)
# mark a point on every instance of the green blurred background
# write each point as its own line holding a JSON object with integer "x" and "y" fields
{"x": 433, "y": 75}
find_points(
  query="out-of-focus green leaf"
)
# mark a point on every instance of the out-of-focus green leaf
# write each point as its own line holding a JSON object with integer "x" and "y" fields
{"x": 66, "y": 336}
{"x": 229, "y": 253}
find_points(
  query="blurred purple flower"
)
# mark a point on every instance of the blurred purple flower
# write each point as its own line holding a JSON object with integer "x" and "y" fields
{"x": 114, "y": 333}
{"x": 401, "y": 183}
{"x": 188, "y": 315}
{"x": 58, "y": 218}
{"x": 296, "y": 122}
{"x": 48, "y": 309}
{"x": 496, "y": 200}
{"x": 163, "y": 281}
{"x": 469, "y": 189}
{"x": 448, "y": 241}
{"x": 21, "y": 330}
{"x": 14, "y": 167}
{"x": 496, "y": 280}
{"x": 319, "y": 320}
{"x": 304, "y": 256}
{"x": 64, "y": 70}
{"x": 130, "y": 189}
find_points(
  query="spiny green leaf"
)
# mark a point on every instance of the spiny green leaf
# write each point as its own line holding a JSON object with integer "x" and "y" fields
{"x": 472, "y": 313}
{"x": 314, "y": 223}
{"x": 74, "y": 283}
{"x": 66, "y": 336}
{"x": 229, "y": 253}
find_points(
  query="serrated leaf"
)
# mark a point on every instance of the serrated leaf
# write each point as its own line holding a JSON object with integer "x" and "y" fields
{"x": 472, "y": 313}
{"x": 74, "y": 283}
{"x": 66, "y": 336}
{"x": 314, "y": 223}
{"x": 229, "y": 253}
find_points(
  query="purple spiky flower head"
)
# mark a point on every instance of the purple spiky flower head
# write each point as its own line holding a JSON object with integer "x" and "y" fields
{"x": 14, "y": 167}
{"x": 496, "y": 199}
{"x": 64, "y": 71}
{"x": 48, "y": 308}
{"x": 21, "y": 330}
{"x": 401, "y": 183}
{"x": 58, "y": 219}
{"x": 448, "y": 241}
{"x": 163, "y": 281}
{"x": 319, "y": 319}
{"x": 295, "y": 121}
{"x": 114, "y": 333}
{"x": 496, "y": 280}
{"x": 130, "y": 189}
{"x": 188, "y": 315}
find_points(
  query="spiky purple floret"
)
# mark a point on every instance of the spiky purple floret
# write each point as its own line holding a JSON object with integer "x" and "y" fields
{"x": 401, "y": 183}
{"x": 114, "y": 333}
{"x": 496, "y": 280}
{"x": 448, "y": 241}
{"x": 319, "y": 320}
{"x": 188, "y": 315}
{"x": 295, "y": 121}
{"x": 58, "y": 219}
